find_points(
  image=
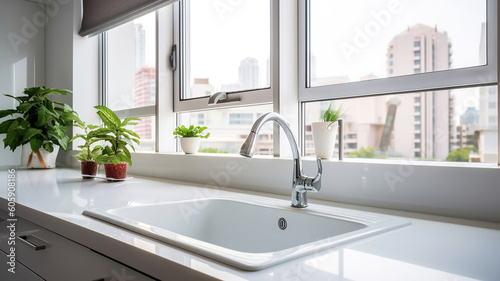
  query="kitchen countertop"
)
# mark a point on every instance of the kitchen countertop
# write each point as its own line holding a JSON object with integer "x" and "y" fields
{"x": 431, "y": 248}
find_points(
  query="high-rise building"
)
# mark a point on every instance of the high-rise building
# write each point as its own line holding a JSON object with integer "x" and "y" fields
{"x": 140, "y": 46}
{"x": 145, "y": 91}
{"x": 422, "y": 125}
{"x": 249, "y": 74}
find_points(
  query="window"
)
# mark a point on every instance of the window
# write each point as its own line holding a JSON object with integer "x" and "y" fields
{"x": 361, "y": 34}
{"x": 440, "y": 113}
{"x": 356, "y": 64}
{"x": 224, "y": 50}
{"x": 131, "y": 83}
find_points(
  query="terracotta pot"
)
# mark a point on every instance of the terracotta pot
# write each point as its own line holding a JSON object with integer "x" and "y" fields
{"x": 88, "y": 168}
{"x": 118, "y": 171}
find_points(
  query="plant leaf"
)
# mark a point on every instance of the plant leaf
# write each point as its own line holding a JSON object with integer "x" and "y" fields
{"x": 4, "y": 126}
{"x": 36, "y": 143}
{"x": 31, "y": 132}
{"x": 127, "y": 120}
{"x": 7, "y": 112}
{"x": 48, "y": 146}
{"x": 109, "y": 118}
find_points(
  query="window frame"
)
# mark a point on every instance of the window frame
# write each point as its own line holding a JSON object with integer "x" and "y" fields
{"x": 146, "y": 111}
{"x": 475, "y": 76}
{"x": 181, "y": 78}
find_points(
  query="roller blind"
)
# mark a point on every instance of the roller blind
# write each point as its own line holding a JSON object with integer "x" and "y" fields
{"x": 102, "y": 15}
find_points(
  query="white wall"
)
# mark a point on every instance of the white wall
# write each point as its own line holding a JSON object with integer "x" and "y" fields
{"x": 22, "y": 56}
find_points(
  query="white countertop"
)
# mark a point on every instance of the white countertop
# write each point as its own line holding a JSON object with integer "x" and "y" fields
{"x": 431, "y": 248}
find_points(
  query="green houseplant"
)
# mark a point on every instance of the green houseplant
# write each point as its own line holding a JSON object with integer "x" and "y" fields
{"x": 190, "y": 137}
{"x": 38, "y": 125}
{"x": 325, "y": 132}
{"x": 89, "y": 154}
{"x": 116, "y": 155}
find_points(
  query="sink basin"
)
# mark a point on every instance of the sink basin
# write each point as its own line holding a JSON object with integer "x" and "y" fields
{"x": 247, "y": 235}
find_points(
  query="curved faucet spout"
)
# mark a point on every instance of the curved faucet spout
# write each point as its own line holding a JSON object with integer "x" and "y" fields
{"x": 301, "y": 183}
{"x": 248, "y": 146}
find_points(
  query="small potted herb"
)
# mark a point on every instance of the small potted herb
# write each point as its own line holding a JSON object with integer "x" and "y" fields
{"x": 325, "y": 132}
{"x": 39, "y": 126}
{"x": 116, "y": 155}
{"x": 190, "y": 137}
{"x": 88, "y": 155}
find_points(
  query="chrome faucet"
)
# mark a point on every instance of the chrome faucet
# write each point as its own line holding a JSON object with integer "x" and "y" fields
{"x": 301, "y": 183}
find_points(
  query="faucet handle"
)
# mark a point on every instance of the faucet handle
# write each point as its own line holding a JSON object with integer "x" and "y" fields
{"x": 317, "y": 179}
{"x": 314, "y": 184}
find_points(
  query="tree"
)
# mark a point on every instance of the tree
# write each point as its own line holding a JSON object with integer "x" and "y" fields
{"x": 368, "y": 152}
{"x": 460, "y": 155}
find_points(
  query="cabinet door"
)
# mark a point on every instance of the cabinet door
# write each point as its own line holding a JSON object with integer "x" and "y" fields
{"x": 54, "y": 257}
{"x": 21, "y": 273}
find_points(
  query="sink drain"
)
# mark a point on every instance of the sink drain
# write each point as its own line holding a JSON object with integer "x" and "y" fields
{"x": 282, "y": 223}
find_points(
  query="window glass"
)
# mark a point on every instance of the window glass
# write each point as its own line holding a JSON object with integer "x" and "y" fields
{"x": 131, "y": 64}
{"x": 146, "y": 130}
{"x": 357, "y": 40}
{"x": 229, "y": 128}
{"x": 228, "y": 47}
{"x": 452, "y": 125}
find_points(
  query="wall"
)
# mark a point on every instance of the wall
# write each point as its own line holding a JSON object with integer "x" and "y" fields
{"x": 22, "y": 58}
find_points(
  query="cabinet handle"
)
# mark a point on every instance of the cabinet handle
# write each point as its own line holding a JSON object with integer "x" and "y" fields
{"x": 24, "y": 239}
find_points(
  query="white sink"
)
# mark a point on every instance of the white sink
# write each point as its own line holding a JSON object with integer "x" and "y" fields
{"x": 249, "y": 236}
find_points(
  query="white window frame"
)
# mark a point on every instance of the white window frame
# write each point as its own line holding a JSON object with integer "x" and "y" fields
{"x": 477, "y": 76}
{"x": 139, "y": 112}
{"x": 181, "y": 78}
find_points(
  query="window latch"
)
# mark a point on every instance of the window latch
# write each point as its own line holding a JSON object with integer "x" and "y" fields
{"x": 221, "y": 97}
{"x": 173, "y": 58}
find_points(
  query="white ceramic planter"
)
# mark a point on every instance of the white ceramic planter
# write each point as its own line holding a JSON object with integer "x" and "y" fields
{"x": 190, "y": 145}
{"x": 49, "y": 158}
{"x": 324, "y": 135}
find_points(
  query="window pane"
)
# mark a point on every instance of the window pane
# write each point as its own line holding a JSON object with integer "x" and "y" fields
{"x": 146, "y": 130}
{"x": 229, "y": 128}
{"x": 229, "y": 46}
{"x": 131, "y": 64}
{"x": 454, "y": 125}
{"x": 360, "y": 40}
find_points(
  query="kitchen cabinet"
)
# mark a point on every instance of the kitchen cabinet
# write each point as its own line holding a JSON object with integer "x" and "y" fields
{"x": 43, "y": 254}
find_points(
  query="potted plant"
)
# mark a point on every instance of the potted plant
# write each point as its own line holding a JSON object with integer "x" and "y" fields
{"x": 88, "y": 155}
{"x": 190, "y": 137}
{"x": 325, "y": 132}
{"x": 115, "y": 156}
{"x": 39, "y": 126}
